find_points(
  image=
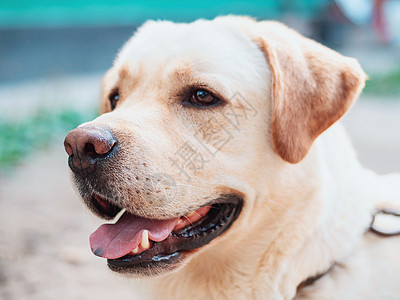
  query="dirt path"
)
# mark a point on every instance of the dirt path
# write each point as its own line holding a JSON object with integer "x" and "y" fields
{"x": 44, "y": 228}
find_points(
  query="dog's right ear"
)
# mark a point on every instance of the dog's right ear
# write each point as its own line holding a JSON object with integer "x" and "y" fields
{"x": 312, "y": 87}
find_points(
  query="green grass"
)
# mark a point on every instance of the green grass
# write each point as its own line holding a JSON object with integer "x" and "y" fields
{"x": 386, "y": 85}
{"x": 20, "y": 138}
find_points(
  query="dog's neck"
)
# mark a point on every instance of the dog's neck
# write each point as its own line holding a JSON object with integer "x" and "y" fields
{"x": 282, "y": 249}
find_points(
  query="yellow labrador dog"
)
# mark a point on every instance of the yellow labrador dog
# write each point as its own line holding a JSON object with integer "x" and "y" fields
{"x": 220, "y": 142}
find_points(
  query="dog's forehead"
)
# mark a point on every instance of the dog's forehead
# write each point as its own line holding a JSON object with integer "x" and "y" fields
{"x": 204, "y": 44}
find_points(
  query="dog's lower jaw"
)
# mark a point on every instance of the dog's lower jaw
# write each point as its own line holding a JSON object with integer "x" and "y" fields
{"x": 209, "y": 275}
{"x": 223, "y": 273}
{"x": 270, "y": 263}
{"x": 249, "y": 268}
{"x": 219, "y": 273}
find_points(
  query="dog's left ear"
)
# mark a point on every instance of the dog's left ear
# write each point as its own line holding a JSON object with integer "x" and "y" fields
{"x": 312, "y": 87}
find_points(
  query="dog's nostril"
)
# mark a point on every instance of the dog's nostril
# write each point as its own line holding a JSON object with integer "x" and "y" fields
{"x": 90, "y": 150}
{"x": 94, "y": 150}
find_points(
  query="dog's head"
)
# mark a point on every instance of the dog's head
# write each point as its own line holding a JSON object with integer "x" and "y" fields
{"x": 200, "y": 125}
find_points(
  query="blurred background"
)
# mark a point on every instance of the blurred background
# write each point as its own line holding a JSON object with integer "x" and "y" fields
{"x": 52, "y": 57}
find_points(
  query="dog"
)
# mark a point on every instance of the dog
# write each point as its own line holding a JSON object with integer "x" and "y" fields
{"x": 219, "y": 147}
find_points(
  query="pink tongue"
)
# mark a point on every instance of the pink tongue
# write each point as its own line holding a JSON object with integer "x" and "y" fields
{"x": 116, "y": 240}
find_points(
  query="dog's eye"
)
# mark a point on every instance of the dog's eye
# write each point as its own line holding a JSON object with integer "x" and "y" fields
{"x": 203, "y": 98}
{"x": 113, "y": 97}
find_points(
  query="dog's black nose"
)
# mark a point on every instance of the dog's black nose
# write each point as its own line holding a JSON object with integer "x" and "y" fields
{"x": 87, "y": 146}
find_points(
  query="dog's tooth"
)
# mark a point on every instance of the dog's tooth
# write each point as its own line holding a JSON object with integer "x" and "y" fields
{"x": 136, "y": 250}
{"x": 179, "y": 222}
{"x": 145, "y": 244}
{"x": 190, "y": 214}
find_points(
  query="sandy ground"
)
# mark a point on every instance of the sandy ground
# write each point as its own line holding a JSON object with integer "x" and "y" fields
{"x": 44, "y": 228}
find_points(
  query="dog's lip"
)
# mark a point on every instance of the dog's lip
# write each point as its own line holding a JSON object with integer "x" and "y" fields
{"x": 151, "y": 267}
{"x": 167, "y": 253}
{"x": 104, "y": 208}
{"x": 108, "y": 210}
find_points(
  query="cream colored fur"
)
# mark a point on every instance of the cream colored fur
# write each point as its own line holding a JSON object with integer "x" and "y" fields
{"x": 307, "y": 206}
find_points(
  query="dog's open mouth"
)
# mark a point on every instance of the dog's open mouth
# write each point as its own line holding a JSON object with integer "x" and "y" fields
{"x": 136, "y": 242}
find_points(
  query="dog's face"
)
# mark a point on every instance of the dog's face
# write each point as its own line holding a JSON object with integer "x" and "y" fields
{"x": 200, "y": 124}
